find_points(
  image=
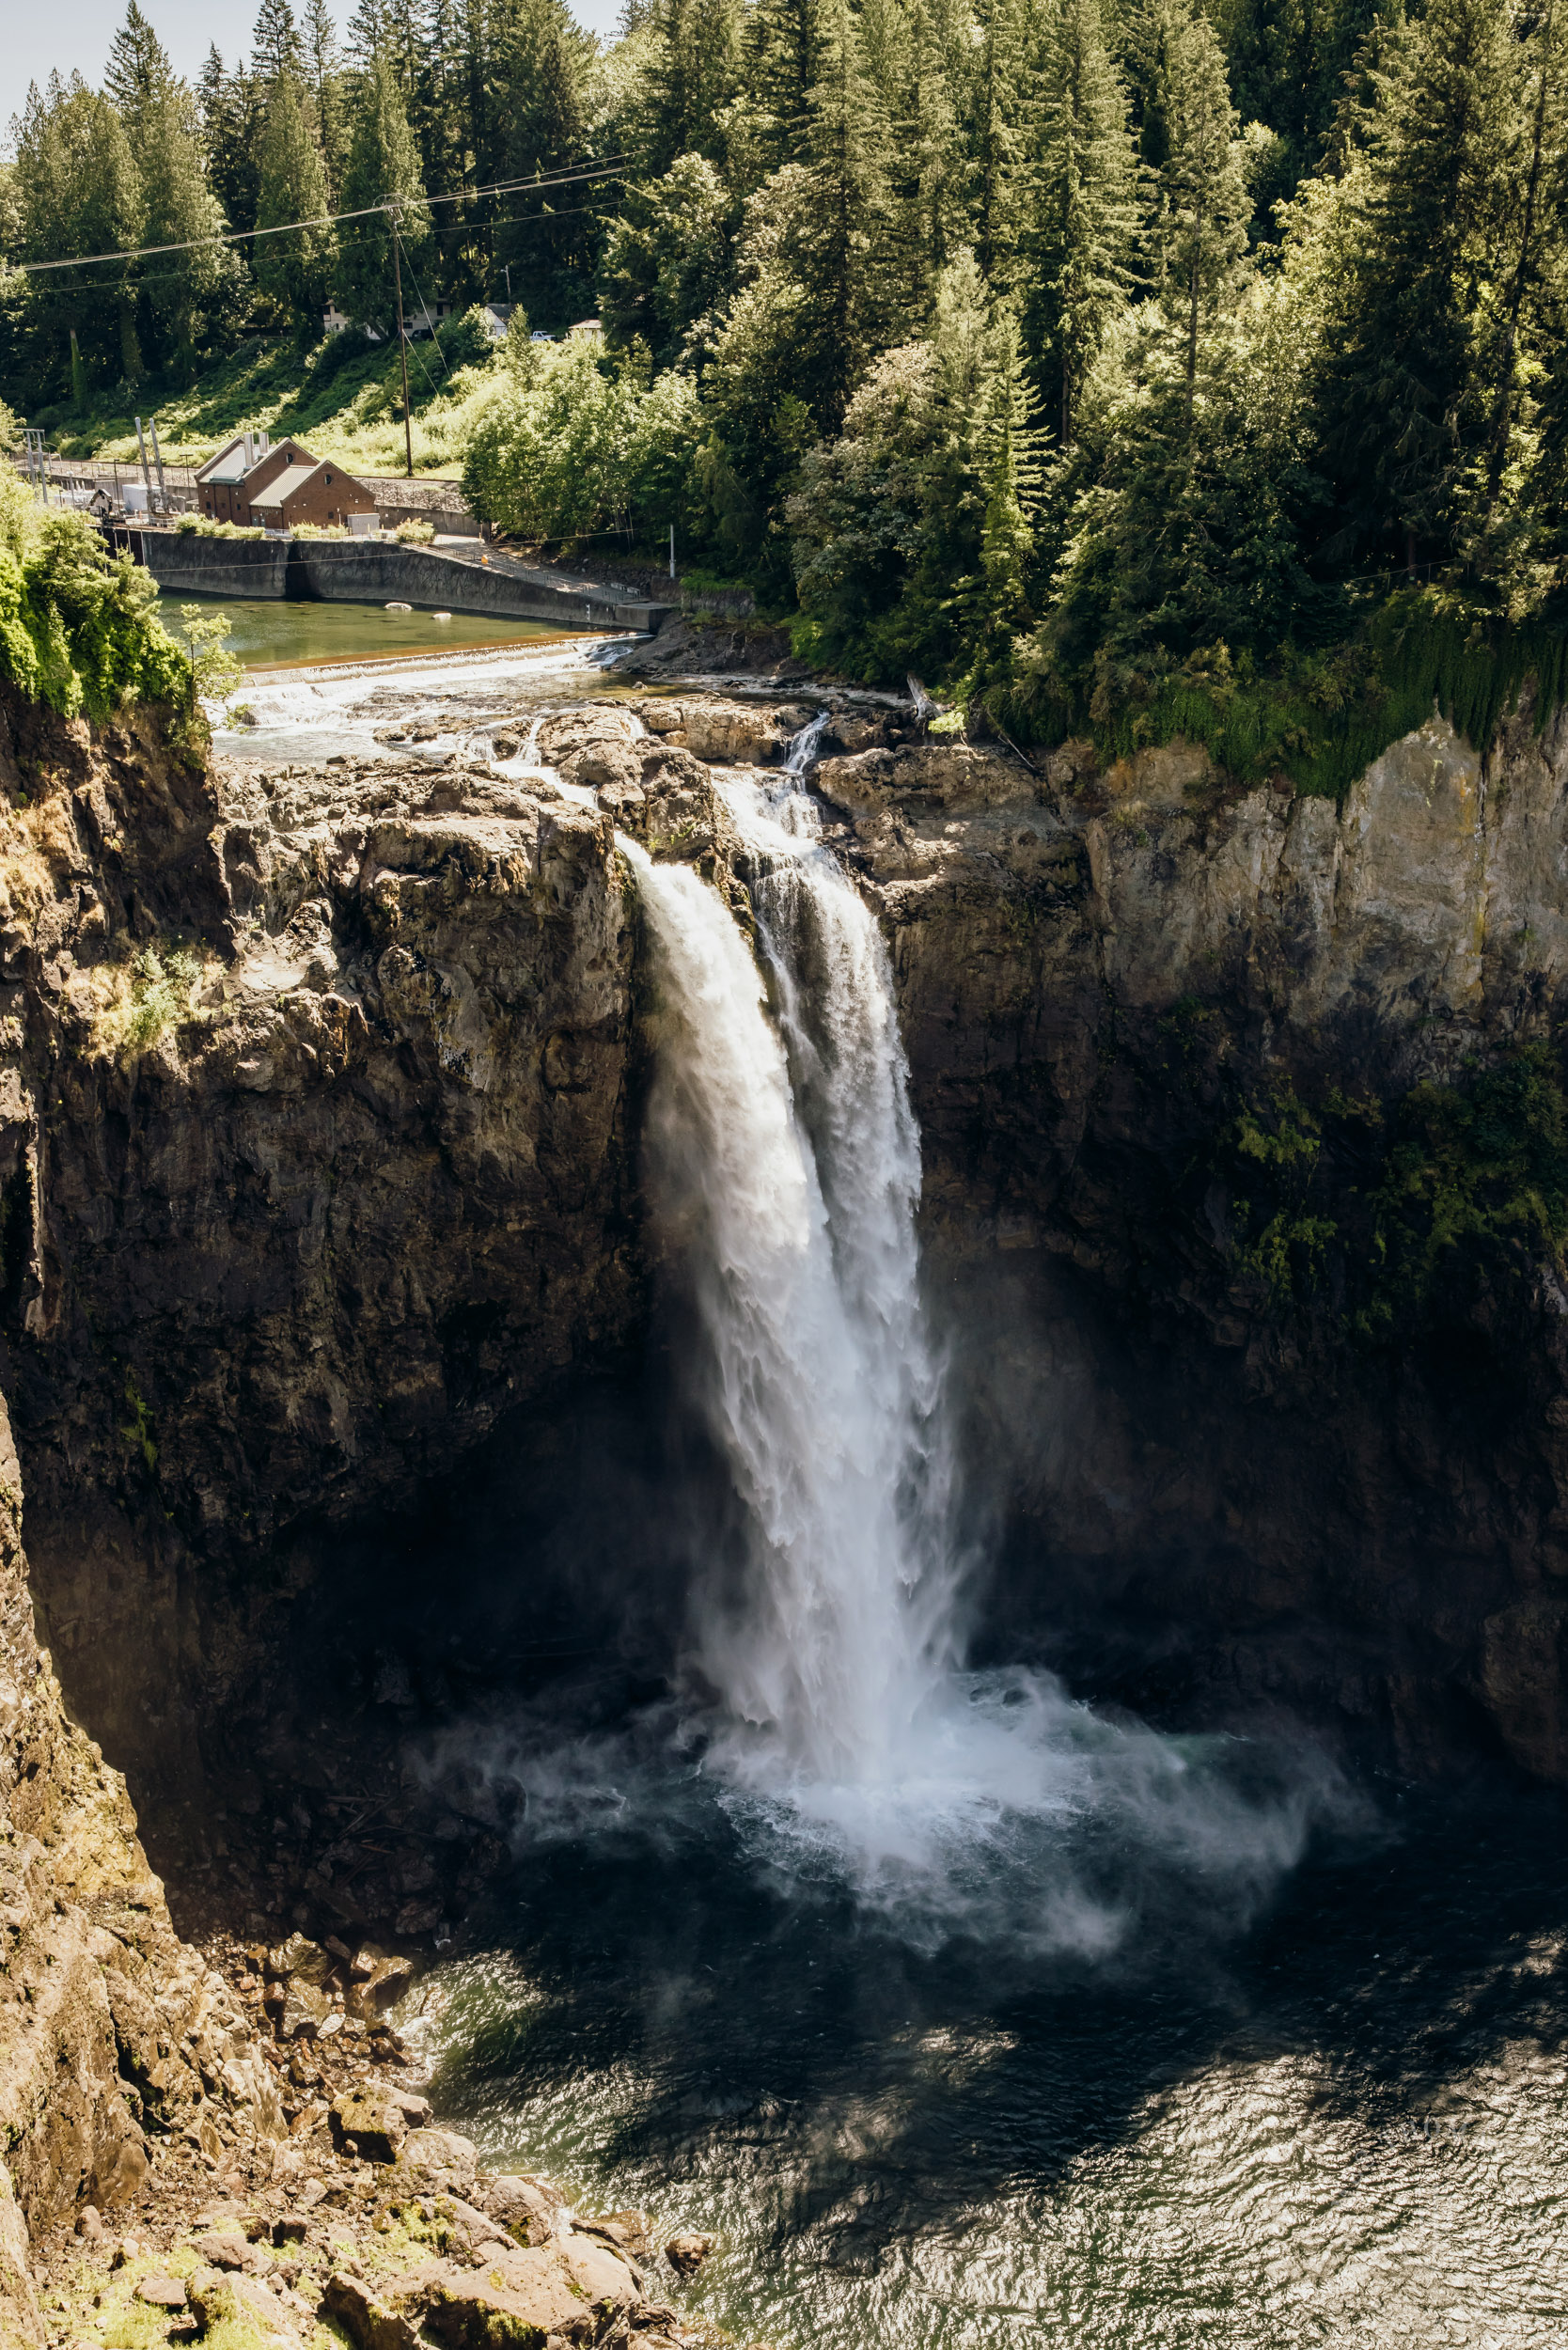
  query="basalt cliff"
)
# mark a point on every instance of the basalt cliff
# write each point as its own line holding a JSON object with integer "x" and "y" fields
{"x": 320, "y": 1214}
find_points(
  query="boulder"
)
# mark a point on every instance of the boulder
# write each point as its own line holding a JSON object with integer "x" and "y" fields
{"x": 529, "y": 2209}
{"x": 662, "y": 717}
{"x": 625, "y": 2231}
{"x": 304, "y": 2010}
{"x": 731, "y": 732}
{"x": 686, "y": 2253}
{"x": 161, "y": 2293}
{"x": 370, "y": 2123}
{"x": 226, "y": 2252}
{"x": 378, "y": 1980}
{"x": 569, "y": 730}
{"x": 300, "y": 1959}
{"x": 603, "y": 765}
{"x": 370, "y": 2321}
{"x": 575, "y": 2291}
{"x": 436, "y": 2162}
{"x": 247, "y": 2311}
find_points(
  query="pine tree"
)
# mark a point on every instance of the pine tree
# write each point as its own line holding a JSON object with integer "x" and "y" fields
{"x": 381, "y": 162}
{"x": 1203, "y": 198}
{"x": 80, "y": 193}
{"x": 692, "y": 75}
{"x": 438, "y": 116}
{"x": 190, "y": 298}
{"x": 1405, "y": 408}
{"x": 786, "y": 43}
{"x": 542, "y": 98}
{"x": 1086, "y": 209}
{"x": 848, "y": 267}
{"x": 295, "y": 268}
{"x": 999, "y": 95}
{"x": 323, "y": 75}
{"x": 231, "y": 133}
{"x": 275, "y": 48}
{"x": 138, "y": 71}
{"x": 1007, "y": 456}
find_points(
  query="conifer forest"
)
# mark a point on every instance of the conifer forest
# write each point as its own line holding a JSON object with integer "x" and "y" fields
{"x": 1117, "y": 365}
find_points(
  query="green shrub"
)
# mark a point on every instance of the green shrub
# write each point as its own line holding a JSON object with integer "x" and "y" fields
{"x": 92, "y": 639}
{"x": 161, "y": 985}
{"x": 416, "y": 531}
{"x": 203, "y": 526}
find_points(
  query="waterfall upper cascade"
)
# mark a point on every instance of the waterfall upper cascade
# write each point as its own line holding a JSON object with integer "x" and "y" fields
{"x": 784, "y": 1148}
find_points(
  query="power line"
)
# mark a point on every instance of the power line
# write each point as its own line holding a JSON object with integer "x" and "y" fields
{"x": 569, "y": 176}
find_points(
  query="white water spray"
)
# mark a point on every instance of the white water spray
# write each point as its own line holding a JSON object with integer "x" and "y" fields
{"x": 786, "y": 1157}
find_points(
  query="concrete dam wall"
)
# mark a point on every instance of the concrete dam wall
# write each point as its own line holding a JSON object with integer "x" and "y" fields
{"x": 338, "y": 571}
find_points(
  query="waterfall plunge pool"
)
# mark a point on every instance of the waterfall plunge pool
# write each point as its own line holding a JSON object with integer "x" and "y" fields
{"x": 1344, "y": 2124}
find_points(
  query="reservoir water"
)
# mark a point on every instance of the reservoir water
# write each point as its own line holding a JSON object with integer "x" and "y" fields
{"x": 278, "y": 634}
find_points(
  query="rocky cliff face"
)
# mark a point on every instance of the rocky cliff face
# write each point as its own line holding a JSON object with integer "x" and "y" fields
{"x": 317, "y": 1164}
{"x": 1129, "y": 1000}
{"x": 317, "y": 1111}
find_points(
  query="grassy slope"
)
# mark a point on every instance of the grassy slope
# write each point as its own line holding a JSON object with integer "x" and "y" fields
{"x": 351, "y": 412}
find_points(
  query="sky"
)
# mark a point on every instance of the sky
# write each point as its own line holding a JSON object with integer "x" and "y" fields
{"x": 74, "y": 35}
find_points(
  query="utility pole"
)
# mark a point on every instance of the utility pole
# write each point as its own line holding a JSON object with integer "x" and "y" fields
{"x": 672, "y": 550}
{"x": 402, "y": 339}
{"x": 163, "y": 494}
{"x": 147, "y": 470}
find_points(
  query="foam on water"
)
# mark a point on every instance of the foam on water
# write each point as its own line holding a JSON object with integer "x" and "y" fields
{"x": 326, "y": 712}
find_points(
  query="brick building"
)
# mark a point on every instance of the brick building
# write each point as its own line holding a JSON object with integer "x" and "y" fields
{"x": 253, "y": 480}
{"x": 310, "y": 490}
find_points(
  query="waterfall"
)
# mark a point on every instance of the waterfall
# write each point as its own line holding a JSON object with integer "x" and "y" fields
{"x": 828, "y": 1708}
{"x": 784, "y": 1152}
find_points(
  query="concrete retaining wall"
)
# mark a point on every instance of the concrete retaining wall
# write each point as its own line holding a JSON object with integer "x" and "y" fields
{"x": 341, "y": 571}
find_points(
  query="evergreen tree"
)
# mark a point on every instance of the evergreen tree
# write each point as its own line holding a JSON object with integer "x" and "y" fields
{"x": 138, "y": 71}
{"x": 1086, "y": 209}
{"x": 691, "y": 77}
{"x": 381, "y": 162}
{"x": 323, "y": 75}
{"x": 438, "y": 116}
{"x": 231, "y": 133}
{"x": 542, "y": 98}
{"x": 275, "y": 48}
{"x": 295, "y": 268}
{"x": 80, "y": 193}
{"x": 1406, "y": 411}
{"x": 998, "y": 100}
{"x": 190, "y": 298}
{"x": 1203, "y": 198}
{"x": 849, "y": 265}
{"x": 668, "y": 264}
{"x": 1005, "y": 446}
{"x": 786, "y": 50}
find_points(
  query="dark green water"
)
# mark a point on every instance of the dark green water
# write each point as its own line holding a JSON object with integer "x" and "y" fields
{"x": 267, "y": 632}
{"x": 1341, "y": 2122}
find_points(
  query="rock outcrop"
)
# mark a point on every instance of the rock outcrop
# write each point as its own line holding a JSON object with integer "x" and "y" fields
{"x": 315, "y": 1094}
{"x": 1215, "y": 1498}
